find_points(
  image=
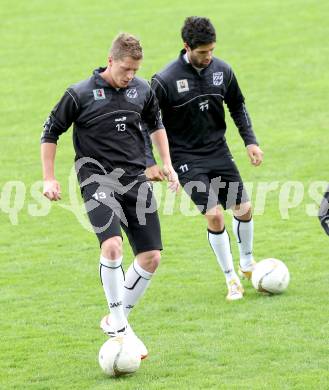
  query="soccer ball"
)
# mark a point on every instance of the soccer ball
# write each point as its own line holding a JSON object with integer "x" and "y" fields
{"x": 271, "y": 276}
{"x": 118, "y": 357}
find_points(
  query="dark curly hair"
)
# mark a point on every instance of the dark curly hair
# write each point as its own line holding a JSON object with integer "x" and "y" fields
{"x": 198, "y": 31}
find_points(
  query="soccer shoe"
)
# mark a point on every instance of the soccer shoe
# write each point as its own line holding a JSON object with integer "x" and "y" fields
{"x": 138, "y": 342}
{"x": 246, "y": 273}
{"x": 235, "y": 290}
{"x": 107, "y": 328}
{"x": 127, "y": 332}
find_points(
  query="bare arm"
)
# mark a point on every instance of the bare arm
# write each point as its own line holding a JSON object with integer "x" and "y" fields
{"x": 160, "y": 140}
{"x": 152, "y": 119}
{"x": 152, "y": 171}
{"x": 51, "y": 187}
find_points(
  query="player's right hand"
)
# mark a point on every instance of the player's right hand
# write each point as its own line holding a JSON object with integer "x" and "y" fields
{"x": 255, "y": 154}
{"x": 52, "y": 189}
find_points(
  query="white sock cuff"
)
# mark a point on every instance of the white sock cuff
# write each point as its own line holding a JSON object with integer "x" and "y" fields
{"x": 237, "y": 220}
{"x": 110, "y": 263}
{"x": 142, "y": 272}
{"x": 216, "y": 233}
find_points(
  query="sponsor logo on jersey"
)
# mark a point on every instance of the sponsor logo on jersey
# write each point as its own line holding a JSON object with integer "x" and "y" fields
{"x": 182, "y": 86}
{"x": 122, "y": 119}
{"x": 204, "y": 105}
{"x": 132, "y": 93}
{"x": 99, "y": 94}
{"x": 217, "y": 78}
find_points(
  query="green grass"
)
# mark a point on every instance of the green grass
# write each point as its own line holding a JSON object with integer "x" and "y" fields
{"x": 51, "y": 299}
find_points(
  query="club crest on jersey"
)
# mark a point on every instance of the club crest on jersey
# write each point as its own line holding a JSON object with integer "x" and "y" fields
{"x": 217, "y": 78}
{"x": 99, "y": 94}
{"x": 132, "y": 93}
{"x": 182, "y": 86}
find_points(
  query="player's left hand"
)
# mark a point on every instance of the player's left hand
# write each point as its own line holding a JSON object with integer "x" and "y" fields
{"x": 154, "y": 173}
{"x": 172, "y": 177}
{"x": 255, "y": 154}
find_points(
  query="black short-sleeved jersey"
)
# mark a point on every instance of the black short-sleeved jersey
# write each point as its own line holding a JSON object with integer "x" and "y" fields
{"x": 107, "y": 123}
{"x": 192, "y": 108}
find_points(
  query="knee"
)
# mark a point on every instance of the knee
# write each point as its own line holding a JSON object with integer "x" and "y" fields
{"x": 243, "y": 211}
{"x": 215, "y": 220}
{"x": 150, "y": 260}
{"x": 112, "y": 248}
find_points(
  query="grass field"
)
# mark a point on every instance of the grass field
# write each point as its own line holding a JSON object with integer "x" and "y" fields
{"x": 51, "y": 298}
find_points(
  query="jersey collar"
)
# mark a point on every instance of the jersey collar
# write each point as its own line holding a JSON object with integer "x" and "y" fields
{"x": 100, "y": 82}
{"x": 99, "y": 79}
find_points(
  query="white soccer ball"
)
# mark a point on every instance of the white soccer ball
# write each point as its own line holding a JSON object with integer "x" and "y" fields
{"x": 271, "y": 276}
{"x": 118, "y": 357}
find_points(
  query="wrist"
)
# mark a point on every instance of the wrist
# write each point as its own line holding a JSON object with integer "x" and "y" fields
{"x": 167, "y": 163}
{"x": 251, "y": 145}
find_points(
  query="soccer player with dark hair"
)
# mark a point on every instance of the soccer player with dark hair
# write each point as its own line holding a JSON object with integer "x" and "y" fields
{"x": 108, "y": 110}
{"x": 192, "y": 91}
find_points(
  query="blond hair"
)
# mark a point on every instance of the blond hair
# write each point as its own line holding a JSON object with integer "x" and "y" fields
{"x": 126, "y": 45}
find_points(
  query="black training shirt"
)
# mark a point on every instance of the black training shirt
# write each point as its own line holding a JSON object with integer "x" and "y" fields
{"x": 107, "y": 123}
{"x": 192, "y": 107}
